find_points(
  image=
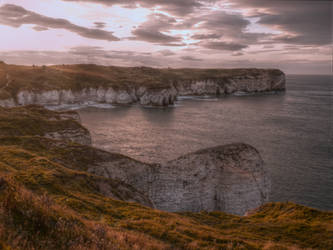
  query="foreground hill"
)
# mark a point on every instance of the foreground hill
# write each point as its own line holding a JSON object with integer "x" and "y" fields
{"x": 76, "y": 84}
{"x": 49, "y": 200}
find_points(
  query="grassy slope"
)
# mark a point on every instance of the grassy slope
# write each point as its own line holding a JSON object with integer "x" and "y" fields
{"x": 34, "y": 120}
{"x": 14, "y": 77}
{"x": 48, "y": 201}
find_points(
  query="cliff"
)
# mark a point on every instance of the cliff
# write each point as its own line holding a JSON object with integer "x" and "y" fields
{"x": 50, "y": 200}
{"x": 228, "y": 178}
{"x": 77, "y": 84}
{"x": 37, "y": 121}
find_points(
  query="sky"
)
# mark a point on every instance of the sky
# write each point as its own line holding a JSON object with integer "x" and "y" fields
{"x": 295, "y": 36}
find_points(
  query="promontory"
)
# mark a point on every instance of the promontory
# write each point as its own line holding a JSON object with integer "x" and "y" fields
{"x": 88, "y": 83}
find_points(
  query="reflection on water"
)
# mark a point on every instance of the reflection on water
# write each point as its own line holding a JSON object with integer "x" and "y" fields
{"x": 291, "y": 131}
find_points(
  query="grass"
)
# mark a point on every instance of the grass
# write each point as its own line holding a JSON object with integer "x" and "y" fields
{"x": 35, "y": 120}
{"x": 14, "y": 78}
{"x": 49, "y": 201}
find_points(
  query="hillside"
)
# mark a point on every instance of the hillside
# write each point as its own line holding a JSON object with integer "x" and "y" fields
{"x": 64, "y": 84}
{"x": 48, "y": 200}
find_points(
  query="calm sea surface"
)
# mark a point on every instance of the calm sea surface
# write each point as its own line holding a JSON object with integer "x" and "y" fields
{"x": 292, "y": 131}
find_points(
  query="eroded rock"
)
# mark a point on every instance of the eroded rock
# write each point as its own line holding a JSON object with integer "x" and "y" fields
{"x": 151, "y": 93}
{"x": 228, "y": 178}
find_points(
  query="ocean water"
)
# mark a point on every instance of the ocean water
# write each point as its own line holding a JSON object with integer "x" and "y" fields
{"x": 291, "y": 130}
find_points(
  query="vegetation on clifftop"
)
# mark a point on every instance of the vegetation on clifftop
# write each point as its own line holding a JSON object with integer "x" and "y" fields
{"x": 49, "y": 201}
{"x": 35, "y": 121}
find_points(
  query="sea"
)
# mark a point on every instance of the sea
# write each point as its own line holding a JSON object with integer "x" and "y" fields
{"x": 292, "y": 131}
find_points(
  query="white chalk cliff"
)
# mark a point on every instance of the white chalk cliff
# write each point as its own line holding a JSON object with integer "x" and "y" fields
{"x": 229, "y": 178}
{"x": 150, "y": 96}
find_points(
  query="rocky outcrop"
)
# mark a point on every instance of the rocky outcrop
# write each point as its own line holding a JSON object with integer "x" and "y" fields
{"x": 228, "y": 178}
{"x": 37, "y": 121}
{"x": 154, "y": 96}
{"x": 264, "y": 82}
{"x": 7, "y": 103}
{"x": 76, "y": 135}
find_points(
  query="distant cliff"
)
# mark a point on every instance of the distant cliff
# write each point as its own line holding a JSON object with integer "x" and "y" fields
{"x": 77, "y": 84}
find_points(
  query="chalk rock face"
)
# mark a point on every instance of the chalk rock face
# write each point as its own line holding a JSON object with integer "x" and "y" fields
{"x": 77, "y": 135}
{"x": 7, "y": 103}
{"x": 37, "y": 121}
{"x": 228, "y": 178}
{"x": 160, "y": 97}
{"x": 229, "y": 85}
{"x": 208, "y": 87}
{"x": 155, "y": 95}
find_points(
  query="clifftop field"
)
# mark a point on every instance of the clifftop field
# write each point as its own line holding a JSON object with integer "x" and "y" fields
{"x": 49, "y": 201}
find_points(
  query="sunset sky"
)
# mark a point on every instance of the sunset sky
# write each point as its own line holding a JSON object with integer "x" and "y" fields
{"x": 295, "y": 36}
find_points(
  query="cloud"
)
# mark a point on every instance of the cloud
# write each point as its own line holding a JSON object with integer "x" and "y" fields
{"x": 40, "y": 28}
{"x": 190, "y": 58}
{"x": 166, "y": 52}
{"x": 217, "y": 24}
{"x": 224, "y": 31}
{"x": 220, "y": 45}
{"x": 301, "y": 22}
{"x": 206, "y": 36}
{"x": 16, "y": 16}
{"x": 100, "y": 25}
{"x": 176, "y": 7}
{"x": 237, "y": 54}
{"x": 151, "y": 30}
{"x": 224, "y": 22}
{"x": 154, "y": 36}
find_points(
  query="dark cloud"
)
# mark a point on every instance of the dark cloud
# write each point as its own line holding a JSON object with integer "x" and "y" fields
{"x": 217, "y": 24}
{"x": 15, "y": 16}
{"x": 154, "y": 36}
{"x": 172, "y": 44}
{"x": 302, "y": 22}
{"x": 100, "y": 25}
{"x": 225, "y": 31}
{"x": 206, "y": 36}
{"x": 190, "y": 58}
{"x": 225, "y": 23}
{"x": 151, "y": 30}
{"x": 220, "y": 45}
{"x": 40, "y": 28}
{"x": 176, "y": 7}
{"x": 237, "y": 54}
{"x": 166, "y": 52}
